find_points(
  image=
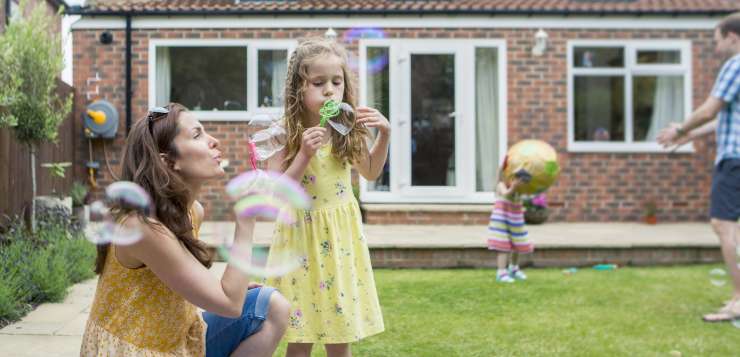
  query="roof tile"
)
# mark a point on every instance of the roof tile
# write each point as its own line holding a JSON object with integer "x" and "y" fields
{"x": 420, "y": 6}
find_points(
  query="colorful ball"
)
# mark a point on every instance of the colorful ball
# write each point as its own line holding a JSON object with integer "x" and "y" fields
{"x": 535, "y": 162}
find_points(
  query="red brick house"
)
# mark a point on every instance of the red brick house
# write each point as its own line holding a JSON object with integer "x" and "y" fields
{"x": 460, "y": 82}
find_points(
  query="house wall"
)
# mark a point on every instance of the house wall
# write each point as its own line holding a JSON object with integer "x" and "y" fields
{"x": 592, "y": 186}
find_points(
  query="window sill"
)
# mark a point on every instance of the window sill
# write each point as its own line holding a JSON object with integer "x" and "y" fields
{"x": 649, "y": 148}
{"x": 390, "y": 207}
{"x": 229, "y": 115}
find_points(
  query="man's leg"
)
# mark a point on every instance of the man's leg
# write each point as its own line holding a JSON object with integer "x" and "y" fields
{"x": 726, "y": 231}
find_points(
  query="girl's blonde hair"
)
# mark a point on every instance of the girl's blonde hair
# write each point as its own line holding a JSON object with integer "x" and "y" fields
{"x": 346, "y": 148}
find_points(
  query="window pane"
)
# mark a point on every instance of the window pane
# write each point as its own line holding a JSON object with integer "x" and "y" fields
{"x": 486, "y": 119}
{"x": 378, "y": 97}
{"x": 15, "y": 11}
{"x": 598, "y": 57}
{"x": 272, "y": 66}
{"x": 599, "y": 108}
{"x": 206, "y": 78}
{"x": 658, "y": 101}
{"x": 433, "y": 120}
{"x": 659, "y": 57}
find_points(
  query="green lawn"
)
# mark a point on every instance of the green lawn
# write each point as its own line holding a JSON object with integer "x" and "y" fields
{"x": 627, "y": 312}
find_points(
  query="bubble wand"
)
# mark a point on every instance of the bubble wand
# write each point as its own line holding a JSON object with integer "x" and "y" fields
{"x": 329, "y": 110}
{"x": 252, "y": 154}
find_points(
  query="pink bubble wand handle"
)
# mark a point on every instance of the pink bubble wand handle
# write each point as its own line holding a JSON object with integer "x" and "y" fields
{"x": 253, "y": 155}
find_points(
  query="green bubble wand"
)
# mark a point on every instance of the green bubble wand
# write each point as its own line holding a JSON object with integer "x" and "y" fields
{"x": 331, "y": 109}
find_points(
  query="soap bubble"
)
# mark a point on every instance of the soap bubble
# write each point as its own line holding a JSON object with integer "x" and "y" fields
{"x": 123, "y": 196}
{"x": 267, "y": 194}
{"x": 718, "y": 277}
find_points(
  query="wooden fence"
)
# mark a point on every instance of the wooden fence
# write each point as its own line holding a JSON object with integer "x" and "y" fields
{"x": 15, "y": 168}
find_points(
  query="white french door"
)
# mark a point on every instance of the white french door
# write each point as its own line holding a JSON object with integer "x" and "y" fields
{"x": 430, "y": 119}
{"x": 427, "y": 89}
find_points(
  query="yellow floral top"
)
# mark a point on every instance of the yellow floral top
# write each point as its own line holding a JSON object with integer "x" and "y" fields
{"x": 136, "y": 314}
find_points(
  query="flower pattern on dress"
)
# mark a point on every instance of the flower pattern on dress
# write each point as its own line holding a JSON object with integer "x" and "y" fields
{"x": 325, "y": 248}
{"x": 308, "y": 179}
{"x": 341, "y": 189}
{"x": 295, "y": 319}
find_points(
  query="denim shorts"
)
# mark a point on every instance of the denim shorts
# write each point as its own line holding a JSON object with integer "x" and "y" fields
{"x": 725, "y": 198}
{"x": 223, "y": 335}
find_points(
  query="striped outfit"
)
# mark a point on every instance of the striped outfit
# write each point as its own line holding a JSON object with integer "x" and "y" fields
{"x": 506, "y": 231}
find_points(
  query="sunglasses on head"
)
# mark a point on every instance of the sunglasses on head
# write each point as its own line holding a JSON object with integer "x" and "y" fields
{"x": 156, "y": 114}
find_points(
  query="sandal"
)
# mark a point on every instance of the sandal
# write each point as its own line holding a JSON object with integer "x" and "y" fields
{"x": 729, "y": 312}
{"x": 504, "y": 277}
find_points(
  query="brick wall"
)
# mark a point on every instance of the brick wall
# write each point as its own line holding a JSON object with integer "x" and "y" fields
{"x": 592, "y": 186}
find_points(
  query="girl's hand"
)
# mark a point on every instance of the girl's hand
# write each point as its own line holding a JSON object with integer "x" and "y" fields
{"x": 253, "y": 285}
{"x": 372, "y": 118}
{"x": 515, "y": 183}
{"x": 312, "y": 139}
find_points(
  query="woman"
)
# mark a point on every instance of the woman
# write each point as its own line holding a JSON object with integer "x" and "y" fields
{"x": 145, "y": 303}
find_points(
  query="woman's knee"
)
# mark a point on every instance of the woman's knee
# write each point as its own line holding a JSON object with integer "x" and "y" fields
{"x": 279, "y": 309}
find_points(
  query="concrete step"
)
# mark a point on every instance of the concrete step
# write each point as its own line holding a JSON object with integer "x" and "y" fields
{"x": 557, "y": 244}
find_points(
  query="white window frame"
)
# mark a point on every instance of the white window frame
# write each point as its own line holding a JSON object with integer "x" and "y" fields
{"x": 14, "y": 11}
{"x": 630, "y": 69}
{"x": 251, "y": 46}
{"x": 466, "y": 148}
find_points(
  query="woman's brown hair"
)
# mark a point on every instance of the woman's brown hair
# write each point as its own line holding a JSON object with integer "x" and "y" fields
{"x": 143, "y": 164}
{"x": 348, "y": 148}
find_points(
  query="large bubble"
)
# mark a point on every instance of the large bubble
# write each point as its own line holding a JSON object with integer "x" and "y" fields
{"x": 718, "y": 277}
{"x": 268, "y": 195}
{"x": 266, "y": 142}
{"x": 104, "y": 228}
{"x": 376, "y": 61}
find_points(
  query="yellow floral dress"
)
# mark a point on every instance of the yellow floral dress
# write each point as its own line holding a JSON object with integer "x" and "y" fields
{"x": 332, "y": 294}
{"x": 136, "y": 314}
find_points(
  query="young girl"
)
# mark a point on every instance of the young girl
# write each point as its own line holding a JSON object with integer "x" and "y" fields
{"x": 145, "y": 302}
{"x": 507, "y": 234}
{"x": 333, "y": 298}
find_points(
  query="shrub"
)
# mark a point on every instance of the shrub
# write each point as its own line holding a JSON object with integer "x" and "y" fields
{"x": 79, "y": 256}
{"x": 38, "y": 268}
{"x": 48, "y": 276}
